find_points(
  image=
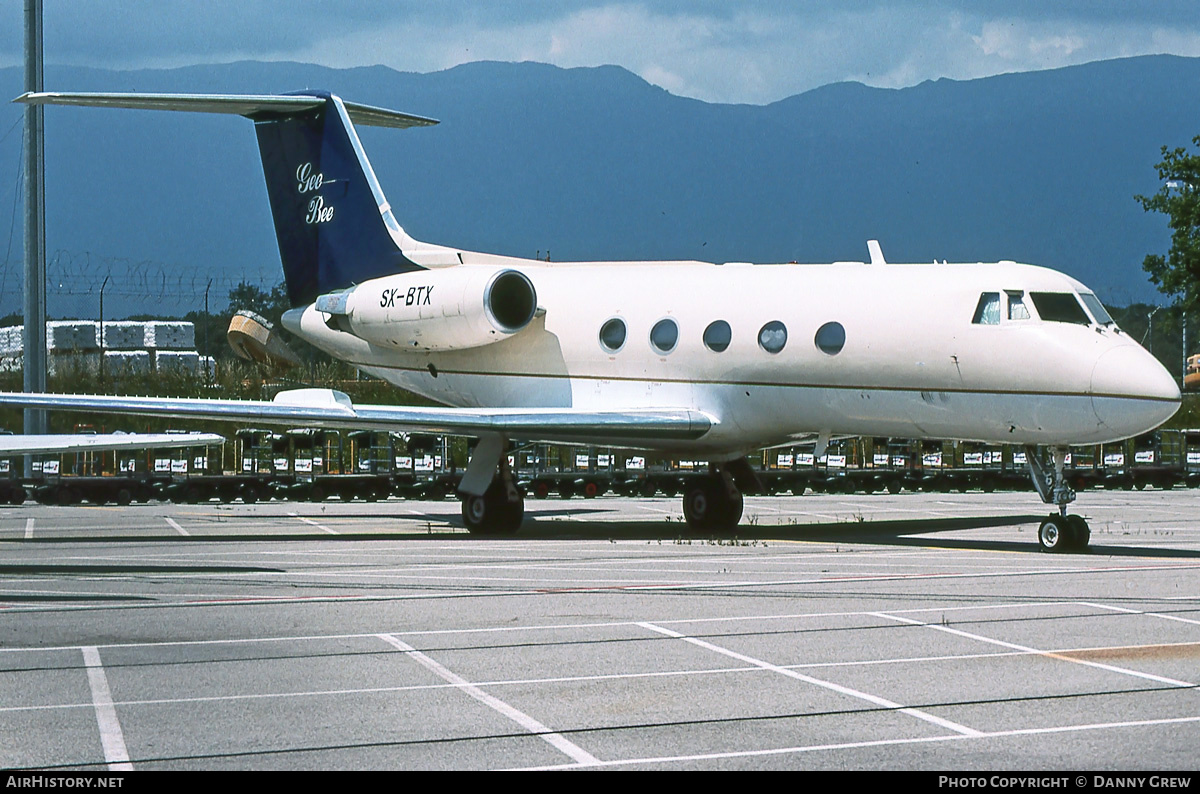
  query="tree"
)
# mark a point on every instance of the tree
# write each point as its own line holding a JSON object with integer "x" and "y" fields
{"x": 271, "y": 305}
{"x": 1178, "y": 273}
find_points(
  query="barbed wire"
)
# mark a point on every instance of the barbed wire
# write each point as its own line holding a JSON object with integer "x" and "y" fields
{"x": 83, "y": 273}
{"x": 78, "y": 276}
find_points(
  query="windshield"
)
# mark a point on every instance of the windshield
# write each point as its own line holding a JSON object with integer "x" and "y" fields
{"x": 1097, "y": 309}
{"x": 1059, "y": 307}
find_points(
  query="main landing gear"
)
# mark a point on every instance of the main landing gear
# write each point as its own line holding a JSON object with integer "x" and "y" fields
{"x": 1059, "y": 532}
{"x": 494, "y": 512}
{"x": 491, "y": 502}
{"x": 713, "y": 503}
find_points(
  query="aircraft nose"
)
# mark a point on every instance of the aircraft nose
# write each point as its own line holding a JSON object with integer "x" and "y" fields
{"x": 1131, "y": 391}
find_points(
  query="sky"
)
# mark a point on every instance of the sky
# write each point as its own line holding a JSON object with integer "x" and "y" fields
{"x": 753, "y": 51}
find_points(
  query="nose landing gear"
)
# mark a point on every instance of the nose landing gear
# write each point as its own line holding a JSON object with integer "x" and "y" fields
{"x": 1059, "y": 532}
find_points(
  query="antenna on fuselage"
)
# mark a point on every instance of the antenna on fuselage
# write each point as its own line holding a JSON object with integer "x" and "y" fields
{"x": 876, "y": 252}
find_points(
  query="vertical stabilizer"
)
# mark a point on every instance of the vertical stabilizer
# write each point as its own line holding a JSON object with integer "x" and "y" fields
{"x": 332, "y": 221}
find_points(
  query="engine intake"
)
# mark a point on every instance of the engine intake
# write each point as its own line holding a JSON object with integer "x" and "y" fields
{"x": 511, "y": 300}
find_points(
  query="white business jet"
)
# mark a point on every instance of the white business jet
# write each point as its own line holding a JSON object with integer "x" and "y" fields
{"x": 690, "y": 358}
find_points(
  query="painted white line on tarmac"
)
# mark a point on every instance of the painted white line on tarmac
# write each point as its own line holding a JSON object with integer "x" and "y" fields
{"x": 1140, "y": 612}
{"x": 111, "y": 738}
{"x": 556, "y": 740}
{"x": 1048, "y": 654}
{"x": 524, "y": 682}
{"x": 310, "y": 522}
{"x": 1097, "y": 726}
{"x": 552, "y": 627}
{"x": 28, "y": 529}
{"x": 844, "y": 690}
{"x": 175, "y": 525}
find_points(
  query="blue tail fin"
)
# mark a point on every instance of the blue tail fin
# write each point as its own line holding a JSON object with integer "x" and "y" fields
{"x": 333, "y": 223}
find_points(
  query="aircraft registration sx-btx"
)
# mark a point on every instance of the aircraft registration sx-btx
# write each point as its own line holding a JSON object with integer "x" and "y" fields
{"x": 655, "y": 355}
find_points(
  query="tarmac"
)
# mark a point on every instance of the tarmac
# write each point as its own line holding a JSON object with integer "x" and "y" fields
{"x": 834, "y": 632}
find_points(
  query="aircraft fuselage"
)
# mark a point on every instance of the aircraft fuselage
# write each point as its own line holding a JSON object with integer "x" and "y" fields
{"x": 914, "y": 361}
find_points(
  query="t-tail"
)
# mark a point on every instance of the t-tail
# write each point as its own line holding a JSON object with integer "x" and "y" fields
{"x": 334, "y": 225}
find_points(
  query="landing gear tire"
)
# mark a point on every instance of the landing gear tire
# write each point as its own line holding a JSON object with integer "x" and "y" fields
{"x": 492, "y": 513}
{"x": 708, "y": 507}
{"x": 1064, "y": 533}
{"x": 1052, "y": 534}
{"x": 1079, "y": 534}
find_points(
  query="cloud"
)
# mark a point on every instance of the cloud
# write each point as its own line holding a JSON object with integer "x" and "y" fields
{"x": 749, "y": 51}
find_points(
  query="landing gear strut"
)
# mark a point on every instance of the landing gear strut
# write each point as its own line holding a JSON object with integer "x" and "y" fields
{"x": 491, "y": 502}
{"x": 713, "y": 503}
{"x": 1059, "y": 532}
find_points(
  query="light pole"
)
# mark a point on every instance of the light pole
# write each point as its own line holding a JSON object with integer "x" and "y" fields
{"x": 102, "y": 286}
{"x": 207, "y": 322}
{"x": 35, "y": 230}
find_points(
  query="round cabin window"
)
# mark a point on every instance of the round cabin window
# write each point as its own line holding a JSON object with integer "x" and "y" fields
{"x": 612, "y": 335}
{"x": 772, "y": 336}
{"x": 717, "y": 336}
{"x": 664, "y": 335}
{"x": 831, "y": 338}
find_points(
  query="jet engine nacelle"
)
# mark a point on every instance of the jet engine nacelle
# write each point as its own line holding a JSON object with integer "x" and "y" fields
{"x": 448, "y": 309}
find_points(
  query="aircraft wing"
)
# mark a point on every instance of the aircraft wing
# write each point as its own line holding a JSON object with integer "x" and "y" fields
{"x": 334, "y": 409}
{"x": 102, "y": 441}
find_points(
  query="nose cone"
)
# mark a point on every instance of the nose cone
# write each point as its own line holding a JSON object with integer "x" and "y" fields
{"x": 1131, "y": 392}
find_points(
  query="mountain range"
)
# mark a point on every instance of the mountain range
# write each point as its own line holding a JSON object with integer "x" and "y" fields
{"x": 596, "y": 163}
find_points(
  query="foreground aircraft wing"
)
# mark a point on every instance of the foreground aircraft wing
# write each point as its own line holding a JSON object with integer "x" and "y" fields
{"x": 334, "y": 409}
{"x": 99, "y": 442}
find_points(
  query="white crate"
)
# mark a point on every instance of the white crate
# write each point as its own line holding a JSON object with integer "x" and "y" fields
{"x": 72, "y": 363}
{"x": 169, "y": 336}
{"x": 67, "y": 335}
{"x": 126, "y": 362}
{"x": 180, "y": 360}
{"x": 12, "y": 340}
{"x": 124, "y": 335}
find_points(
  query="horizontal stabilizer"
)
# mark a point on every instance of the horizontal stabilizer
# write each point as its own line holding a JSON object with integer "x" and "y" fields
{"x": 252, "y": 106}
{"x": 334, "y": 410}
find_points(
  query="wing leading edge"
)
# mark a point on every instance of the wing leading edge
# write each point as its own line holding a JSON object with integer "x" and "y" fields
{"x": 334, "y": 409}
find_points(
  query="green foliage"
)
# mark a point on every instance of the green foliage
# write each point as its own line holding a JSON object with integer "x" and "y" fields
{"x": 1188, "y": 415}
{"x": 251, "y": 297}
{"x": 1178, "y": 273}
{"x": 1159, "y": 329}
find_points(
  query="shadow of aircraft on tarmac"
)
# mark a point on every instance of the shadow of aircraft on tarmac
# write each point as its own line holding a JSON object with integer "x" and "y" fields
{"x": 573, "y": 524}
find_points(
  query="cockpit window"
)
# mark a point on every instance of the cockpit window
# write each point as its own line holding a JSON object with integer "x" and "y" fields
{"x": 1096, "y": 308}
{"x": 988, "y": 310}
{"x": 1017, "y": 310}
{"x": 1059, "y": 307}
